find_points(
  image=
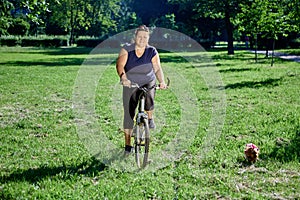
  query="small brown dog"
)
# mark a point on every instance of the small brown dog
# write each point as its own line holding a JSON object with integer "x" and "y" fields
{"x": 251, "y": 152}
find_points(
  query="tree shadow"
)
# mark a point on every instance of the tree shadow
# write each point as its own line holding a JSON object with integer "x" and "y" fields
{"x": 175, "y": 59}
{"x": 238, "y": 70}
{"x": 255, "y": 84}
{"x": 54, "y": 63}
{"x": 242, "y": 56}
{"x": 54, "y": 51}
{"x": 33, "y": 175}
{"x": 60, "y": 62}
{"x": 69, "y": 51}
{"x": 287, "y": 150}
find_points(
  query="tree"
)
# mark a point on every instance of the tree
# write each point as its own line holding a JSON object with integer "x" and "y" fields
{"x": 292, "y": 8}
{"x": 149, "y": 11}
{"x": 18, "y": 27}
{"x": 69, "y": 15}
{"x": 5, "y": 16}
{"x": 166, "y": 21}
{"x": 215, "y": 9}
{"x": 227, "y": 10}
{"x": 14, "y": 12}
{"x": 91, "y": 17}
{"x": 268, "y": 18}
{"x": 126, "y": 18}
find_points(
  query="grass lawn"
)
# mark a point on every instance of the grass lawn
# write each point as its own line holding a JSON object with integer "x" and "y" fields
{"x": 43, "y": 156}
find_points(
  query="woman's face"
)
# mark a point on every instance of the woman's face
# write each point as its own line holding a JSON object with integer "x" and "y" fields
{"x": 141, "y": 39}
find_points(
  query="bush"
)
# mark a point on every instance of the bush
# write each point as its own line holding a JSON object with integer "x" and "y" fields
{"x": 93, "y": 42}
{"x": 4, "y": 25}
{"x": 44, "y": 42}
{"x": 88, "y": 42}
{"x": 19, "y": 27}
{"x": 9, "y": 41}
{"x": 34, "y": 41}
{"x": 294, "y": 44}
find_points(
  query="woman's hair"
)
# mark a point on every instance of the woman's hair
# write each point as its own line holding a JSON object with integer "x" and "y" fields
{"x": 142, "y": 28}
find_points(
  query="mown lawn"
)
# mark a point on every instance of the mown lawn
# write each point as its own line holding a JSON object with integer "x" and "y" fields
{"x": 43, "y": 156}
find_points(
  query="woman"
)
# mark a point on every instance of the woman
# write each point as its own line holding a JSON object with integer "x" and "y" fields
{"x": 138, "y": 63}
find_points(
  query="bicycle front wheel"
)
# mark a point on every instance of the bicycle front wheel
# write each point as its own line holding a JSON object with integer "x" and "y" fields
{"x": 141, "y": 144}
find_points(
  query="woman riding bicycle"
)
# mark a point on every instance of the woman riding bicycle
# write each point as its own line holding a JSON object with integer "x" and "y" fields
{"x": 138, "y": 63}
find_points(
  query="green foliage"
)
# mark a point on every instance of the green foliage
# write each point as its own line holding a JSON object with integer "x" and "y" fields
{"x": 127, "y": 18}
{"x": 295, "y": 43}
{"x": 72, "y": 17}
{"x": 40, "y": 41}
{"x": 5, "y": 17}
{"x": 271, "y": 18}
{"x": 92, "y": 18}
{"x": 200, "y": 19}
{"x": 18, "y": 27}
{"x": 93, "y": 42}
{"x": 167, "y": 21}
{"x": 53, "y": 42}
{"x": 9, "y": 41}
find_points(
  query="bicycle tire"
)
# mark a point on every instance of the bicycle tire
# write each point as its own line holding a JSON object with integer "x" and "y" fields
{"x": 141, "y": 144}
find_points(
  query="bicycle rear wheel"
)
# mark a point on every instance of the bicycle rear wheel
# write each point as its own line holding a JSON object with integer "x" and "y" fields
{"x": 141, "y": 144}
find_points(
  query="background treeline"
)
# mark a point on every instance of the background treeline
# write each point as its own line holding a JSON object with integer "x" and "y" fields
{"x": 261, "y": 21}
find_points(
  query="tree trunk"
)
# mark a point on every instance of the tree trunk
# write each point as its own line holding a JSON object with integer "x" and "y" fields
{"x": 71, "y": 39}
{"x": 229, "y": 29}
{"x": 256, "y": 47}
{"x": 273, "y": 48}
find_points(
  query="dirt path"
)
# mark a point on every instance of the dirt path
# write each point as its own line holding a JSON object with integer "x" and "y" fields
{"x": 281, "y": 55}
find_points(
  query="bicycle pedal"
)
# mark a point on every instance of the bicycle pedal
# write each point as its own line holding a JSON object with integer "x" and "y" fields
{"x": 142, "y": 143}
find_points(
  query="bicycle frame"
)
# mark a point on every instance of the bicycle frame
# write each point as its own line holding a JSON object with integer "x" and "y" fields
{"x": 141, "y": 127}
{"x": 141, "y": 107}
{"x": 142, "y": 134}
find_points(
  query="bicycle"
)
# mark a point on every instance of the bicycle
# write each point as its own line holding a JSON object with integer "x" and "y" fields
{"x": 141, "y": 131}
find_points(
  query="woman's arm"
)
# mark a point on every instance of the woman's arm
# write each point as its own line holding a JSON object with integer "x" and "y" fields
{"x": 120, "y": 66}
{"x": 121, "y": 62}
{"x": 158, "y": 71}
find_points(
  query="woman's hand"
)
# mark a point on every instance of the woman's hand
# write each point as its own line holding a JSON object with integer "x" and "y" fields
{"x": 163, "y": 86}
{"x": 125, "y": 82}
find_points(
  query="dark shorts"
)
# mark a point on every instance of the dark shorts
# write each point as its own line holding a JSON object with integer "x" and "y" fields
{"x": 130, "y": 103}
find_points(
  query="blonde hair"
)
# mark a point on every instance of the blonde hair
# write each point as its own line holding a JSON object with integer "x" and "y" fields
{"x": 142, "y": 28}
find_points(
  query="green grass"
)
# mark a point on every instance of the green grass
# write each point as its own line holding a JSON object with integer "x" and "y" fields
{"x": 291, "y": 51}
{"x": 42, "y": 156}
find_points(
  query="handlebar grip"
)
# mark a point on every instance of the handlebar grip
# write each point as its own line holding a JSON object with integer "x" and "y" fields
{"x": 168, "y": 81}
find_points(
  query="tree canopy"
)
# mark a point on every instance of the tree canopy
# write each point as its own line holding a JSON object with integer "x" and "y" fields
{"x": 200, "y": 19}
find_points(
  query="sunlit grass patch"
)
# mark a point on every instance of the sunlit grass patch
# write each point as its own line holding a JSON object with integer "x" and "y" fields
{"x": 42, "y": 156}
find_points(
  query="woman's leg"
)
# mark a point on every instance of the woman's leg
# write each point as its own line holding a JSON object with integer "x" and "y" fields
{"x": 129, "y": 104}
{"x": 149, "y": 106}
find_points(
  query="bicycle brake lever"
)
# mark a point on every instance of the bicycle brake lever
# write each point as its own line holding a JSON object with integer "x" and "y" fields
{"x": 168, "y": 83}
{"x": 134, "y": 85}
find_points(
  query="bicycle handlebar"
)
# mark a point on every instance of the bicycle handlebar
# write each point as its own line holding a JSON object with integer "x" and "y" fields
{"x": 135, "y": 85}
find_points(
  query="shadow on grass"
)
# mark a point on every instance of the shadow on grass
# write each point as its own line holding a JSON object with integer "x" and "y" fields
{"x": 53, "y": 51}
{"x": 176, "y": 59}
{"x": 84, "y": 50}
{"x": 54, "y": 63}
{"x": 238, "y": 70}
{"x": 239, "y": 55}
{"x": 287, "y": 150}
{"x": 61, "y": 62}
{"x": 255, "y": 84}
{"x": 88, "y": 168}
{"x": 69, "y": 51}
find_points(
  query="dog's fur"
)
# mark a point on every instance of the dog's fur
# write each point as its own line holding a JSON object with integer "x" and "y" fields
{"x": 251, "y": 152}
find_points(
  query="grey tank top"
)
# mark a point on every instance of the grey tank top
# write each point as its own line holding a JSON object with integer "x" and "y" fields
{"x": 140, "y": 69}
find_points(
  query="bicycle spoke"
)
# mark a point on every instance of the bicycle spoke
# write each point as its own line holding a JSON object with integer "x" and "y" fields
{"x": 142, "y": 144}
